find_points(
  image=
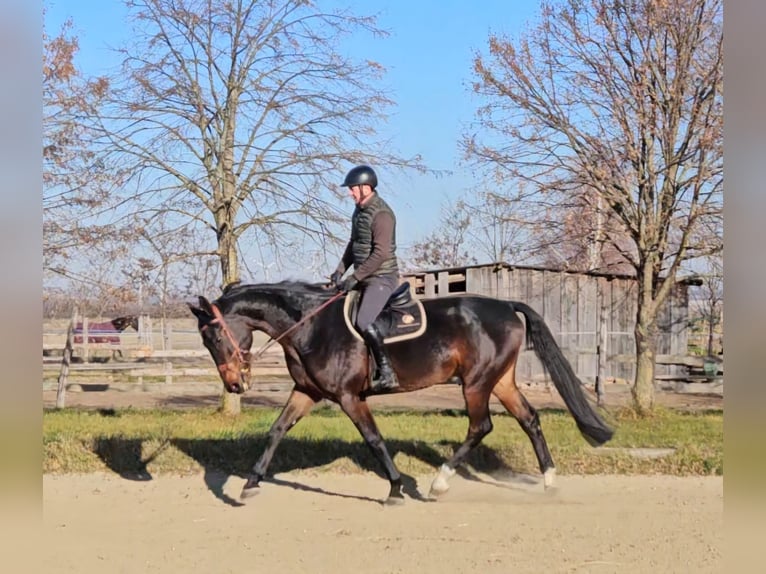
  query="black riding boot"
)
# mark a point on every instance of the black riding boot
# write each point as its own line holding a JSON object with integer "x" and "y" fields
{"x": 374, "y": 340}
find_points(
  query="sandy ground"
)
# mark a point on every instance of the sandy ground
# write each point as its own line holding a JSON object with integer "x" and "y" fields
{"x": 309, "y": 522}
{"x": 303, "y": 522}
{"x": 438, "y": 397}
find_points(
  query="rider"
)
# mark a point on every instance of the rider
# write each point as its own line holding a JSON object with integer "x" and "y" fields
{"x": 372, "y": 250}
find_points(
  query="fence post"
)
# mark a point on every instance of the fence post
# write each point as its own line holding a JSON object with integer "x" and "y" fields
{"x": 65, "y": 361}
{"x": 85, "y": 350}
{"x": 167, "y": 335}
{"x": 429, "y": 285}
{"x": 145, "y": 331}
{"x": 443, "y": 283}
{"x": 168, "y": 372}
{"x": 601, "y": 347}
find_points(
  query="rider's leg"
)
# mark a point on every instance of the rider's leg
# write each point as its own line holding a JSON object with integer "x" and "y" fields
{"x": 376, "y": 292}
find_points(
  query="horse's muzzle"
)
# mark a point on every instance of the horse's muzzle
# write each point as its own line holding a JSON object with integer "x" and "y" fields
{"x": 235, "y": 380}
{"x": 236, "y": 388}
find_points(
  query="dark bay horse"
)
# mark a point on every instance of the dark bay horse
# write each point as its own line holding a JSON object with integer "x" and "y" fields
{"x": 473, "y": 338}
{"x": 106, "y": 332}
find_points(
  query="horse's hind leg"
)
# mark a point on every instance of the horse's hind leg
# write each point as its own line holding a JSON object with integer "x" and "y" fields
{"x": 479, "y": 426}
{"x": 297, "y": 406}
{"x": 360, "y": 415}
{"x": 516, "y": 404}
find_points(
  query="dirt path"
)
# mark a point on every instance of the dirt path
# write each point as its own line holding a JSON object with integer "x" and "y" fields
{"x": 304, "y": 522}
{"x": 438, "y": 397}
{"x": 334, "y": 523}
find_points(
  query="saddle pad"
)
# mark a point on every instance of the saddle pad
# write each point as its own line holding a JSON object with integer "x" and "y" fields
{"x": 395, "y": 323}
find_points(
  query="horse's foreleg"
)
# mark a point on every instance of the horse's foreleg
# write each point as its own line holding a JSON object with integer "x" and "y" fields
{"x": 297, "y": 406}
{"x": 360, "y": 415}
{"x": 518, "y": 406}
{"x": 479, "y": 426}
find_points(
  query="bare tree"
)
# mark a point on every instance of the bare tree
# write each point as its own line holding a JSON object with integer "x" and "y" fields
{"x": 170, "y": 251}
{"x": 75, "y": 187}
{"x": 242, "y": 116}
{"x": 446, "y": 246}
{"x": 581, "y": 234}
{"x": 710, "y": 301}
{"x": 200, "y": 275}
{"x": 496, "y": 228}
{"x": 101, "y": 289}
{"x": 623, "y": 99}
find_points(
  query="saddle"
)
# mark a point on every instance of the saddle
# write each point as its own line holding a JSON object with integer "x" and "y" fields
{"x": 402, "y": 317}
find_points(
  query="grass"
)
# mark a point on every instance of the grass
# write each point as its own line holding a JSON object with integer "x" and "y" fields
{"x": 161, "y": 441}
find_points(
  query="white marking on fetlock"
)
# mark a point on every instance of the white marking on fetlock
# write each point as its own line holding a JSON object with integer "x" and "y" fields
{"x": 549, "y": 478}
{"x": 440, "y": 485}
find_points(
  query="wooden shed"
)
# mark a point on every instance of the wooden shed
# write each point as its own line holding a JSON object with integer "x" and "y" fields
{"x": 591, "y": 314}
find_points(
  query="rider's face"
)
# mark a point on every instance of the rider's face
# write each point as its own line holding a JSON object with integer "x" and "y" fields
{"x": 359, "y": 193}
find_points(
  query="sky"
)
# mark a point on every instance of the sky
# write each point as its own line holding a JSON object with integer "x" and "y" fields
{"x": 428, "y": 56}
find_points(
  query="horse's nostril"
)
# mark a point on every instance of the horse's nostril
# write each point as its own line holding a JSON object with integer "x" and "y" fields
{"x": 235, "y": 387}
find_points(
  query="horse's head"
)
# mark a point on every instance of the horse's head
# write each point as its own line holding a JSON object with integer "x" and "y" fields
{"x": 122, "y": 323}
{"x": 228, "y": 339}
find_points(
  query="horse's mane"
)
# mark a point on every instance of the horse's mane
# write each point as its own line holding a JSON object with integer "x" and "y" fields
{"x": 289, "y": 285}
{"x": 298, "y": 293}
{"x": 304, "y": 287}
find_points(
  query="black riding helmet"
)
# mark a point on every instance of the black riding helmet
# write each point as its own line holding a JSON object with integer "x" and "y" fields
{"x": 361, "y": 175}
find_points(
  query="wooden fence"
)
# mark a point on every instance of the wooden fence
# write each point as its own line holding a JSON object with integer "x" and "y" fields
{"x": 591, "y": 315}
{"x": 161, "y": 356}
{"x": 155, "y": 338}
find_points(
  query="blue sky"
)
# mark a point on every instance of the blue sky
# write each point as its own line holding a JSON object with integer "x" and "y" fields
{"x": 428, "y": 56}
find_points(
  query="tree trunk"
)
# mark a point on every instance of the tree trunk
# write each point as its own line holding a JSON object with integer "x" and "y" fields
{"x": 646, "y": 337}
{"x": 230, "y": 402}
{"x": 227, "y": 248}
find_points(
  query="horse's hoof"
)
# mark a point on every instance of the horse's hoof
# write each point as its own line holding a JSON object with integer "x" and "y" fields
{"x": 440, "y": 484}
{"x": 549, "y": 479}
{"x": 394, "y": 501}
{"x": 249, "y": 492}
{"x": 436, "y": 493}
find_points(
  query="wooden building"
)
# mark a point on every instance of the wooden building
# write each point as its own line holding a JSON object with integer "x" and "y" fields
{"x": 592, "y": 315}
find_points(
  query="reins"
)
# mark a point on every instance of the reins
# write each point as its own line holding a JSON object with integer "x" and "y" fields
{"x": 272, "y": 340}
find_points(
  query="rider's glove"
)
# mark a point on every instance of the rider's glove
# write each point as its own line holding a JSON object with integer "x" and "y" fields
{"x": 348, "y": 284}
{"x": 335, "y": 279}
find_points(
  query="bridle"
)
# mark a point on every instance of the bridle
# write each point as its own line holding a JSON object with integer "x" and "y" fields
{"x": 245, "y": 357}
{"x": 242, "y": 354}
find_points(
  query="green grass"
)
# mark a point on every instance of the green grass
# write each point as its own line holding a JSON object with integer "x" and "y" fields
{"x": 162, "y": 441}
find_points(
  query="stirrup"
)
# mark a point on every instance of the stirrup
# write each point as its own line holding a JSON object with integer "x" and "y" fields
{"x": 384, "y": 383}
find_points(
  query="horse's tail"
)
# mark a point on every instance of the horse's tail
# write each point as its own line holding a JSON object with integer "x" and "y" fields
{"x": 541, "y": 340}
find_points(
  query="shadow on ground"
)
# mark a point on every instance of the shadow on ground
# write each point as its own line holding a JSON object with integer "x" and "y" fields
{"x": 224, "y": 458}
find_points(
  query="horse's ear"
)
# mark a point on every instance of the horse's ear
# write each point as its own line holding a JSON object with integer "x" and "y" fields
{"x": 206, "y": 306}
{"x": 196, "y": 310}
{"x": 203, "y": 311}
